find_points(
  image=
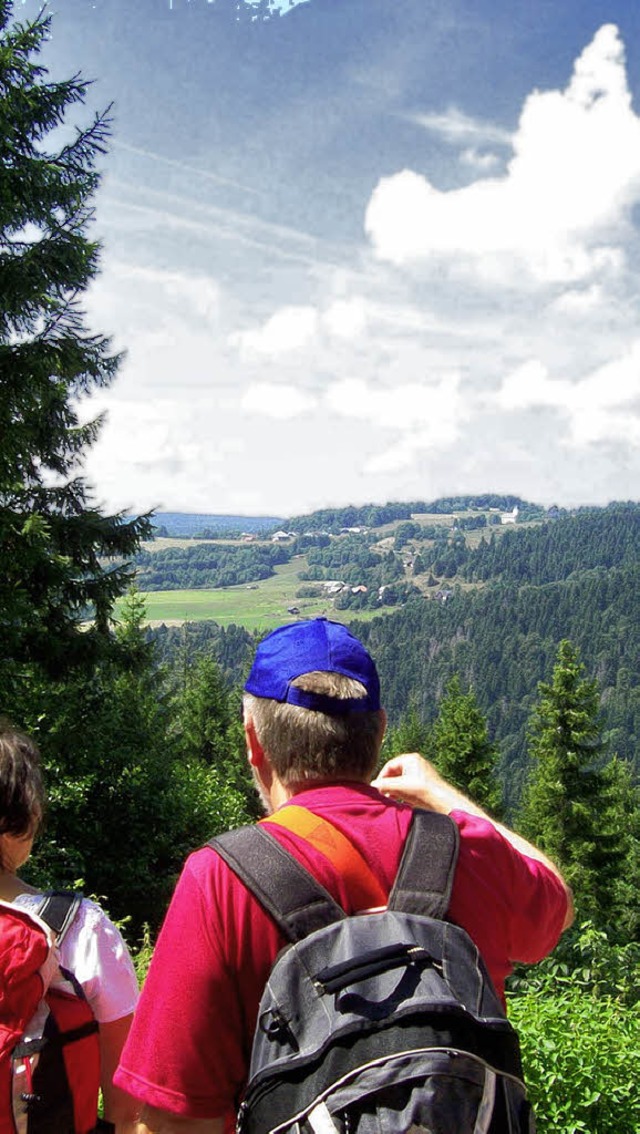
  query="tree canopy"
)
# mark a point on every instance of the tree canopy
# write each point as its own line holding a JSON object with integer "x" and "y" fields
{"x": 56, "y": 541}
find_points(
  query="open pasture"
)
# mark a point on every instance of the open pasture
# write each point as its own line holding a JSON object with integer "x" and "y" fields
{"x": 256, "y": 606}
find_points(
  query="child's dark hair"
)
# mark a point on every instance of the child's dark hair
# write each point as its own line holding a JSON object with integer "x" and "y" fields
{"x": 21, "y": 788}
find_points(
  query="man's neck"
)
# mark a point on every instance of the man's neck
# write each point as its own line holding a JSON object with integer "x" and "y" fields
{"x": 281, "y": 793}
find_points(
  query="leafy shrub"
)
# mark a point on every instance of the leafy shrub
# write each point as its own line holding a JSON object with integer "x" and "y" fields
{"x": 579, "y": 1024}
{"x": 580, "y": 1056}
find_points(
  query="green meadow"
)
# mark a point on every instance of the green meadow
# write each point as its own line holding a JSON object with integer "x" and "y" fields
{"x": 256, "y": 606}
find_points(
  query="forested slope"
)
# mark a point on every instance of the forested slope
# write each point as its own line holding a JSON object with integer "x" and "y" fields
{"x": 497, "y": 624}
{"x": 502, "y": 641}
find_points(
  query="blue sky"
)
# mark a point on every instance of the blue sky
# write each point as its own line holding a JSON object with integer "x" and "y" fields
{"x": 364, "y": 249}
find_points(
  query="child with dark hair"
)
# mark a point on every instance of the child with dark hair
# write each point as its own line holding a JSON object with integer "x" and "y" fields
{"x": 92, "y": 948}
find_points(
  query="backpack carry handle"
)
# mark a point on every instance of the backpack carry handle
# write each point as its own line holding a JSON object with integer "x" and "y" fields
{"x": 338, "y": 977}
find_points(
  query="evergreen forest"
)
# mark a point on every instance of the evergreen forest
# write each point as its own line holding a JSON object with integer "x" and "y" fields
{"x": 510, "y": 655}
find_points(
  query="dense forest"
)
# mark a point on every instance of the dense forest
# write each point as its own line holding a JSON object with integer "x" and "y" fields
{"x": 514, "y": 665}
{"x": 207, "y": 565}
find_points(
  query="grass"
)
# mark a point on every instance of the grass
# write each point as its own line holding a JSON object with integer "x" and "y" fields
{"x": 261, "y": 608}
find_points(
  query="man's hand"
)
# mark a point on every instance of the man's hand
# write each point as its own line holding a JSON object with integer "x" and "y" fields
{"x": 412, "y": 779}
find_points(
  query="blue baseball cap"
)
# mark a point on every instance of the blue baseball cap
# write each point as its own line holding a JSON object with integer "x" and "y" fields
{"x": 306, "y": 647}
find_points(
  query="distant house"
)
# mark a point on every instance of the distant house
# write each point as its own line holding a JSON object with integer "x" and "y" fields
{"x": 280, "y": 537}
{"x": 352, "y": 531}
{"x": 510, "y": 517}
{"x": 333, "y": 586}
{"x": 359, "y": 590}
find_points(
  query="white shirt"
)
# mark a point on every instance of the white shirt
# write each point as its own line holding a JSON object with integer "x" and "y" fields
{"x": 94, "y": 951}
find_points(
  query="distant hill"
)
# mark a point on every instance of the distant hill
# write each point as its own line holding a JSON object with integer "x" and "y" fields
{"x": 485, "y": 596}
{"x": 186, "y": 524}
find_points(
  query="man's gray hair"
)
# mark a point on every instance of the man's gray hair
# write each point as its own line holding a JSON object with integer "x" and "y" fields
{"x": 302, "y": 744}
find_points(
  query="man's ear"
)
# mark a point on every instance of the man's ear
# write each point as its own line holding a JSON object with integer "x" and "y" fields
{"x": 255, "y": 751}
{"x": 383, "y": 724}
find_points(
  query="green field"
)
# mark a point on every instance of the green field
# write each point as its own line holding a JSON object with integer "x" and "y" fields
{"x": 256, "y": 609}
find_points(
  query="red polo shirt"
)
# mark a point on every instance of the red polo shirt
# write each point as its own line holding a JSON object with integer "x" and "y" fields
{"x": 189, "y": 1047}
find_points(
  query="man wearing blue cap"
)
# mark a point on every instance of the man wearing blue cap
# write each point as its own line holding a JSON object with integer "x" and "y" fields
{"x": 314, "y": 726}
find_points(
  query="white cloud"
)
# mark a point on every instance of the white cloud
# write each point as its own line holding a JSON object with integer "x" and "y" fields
{"x": 482, "y": 160}
{"x": 345, "y": 318}
{"x": 289, "y": 329}
{"x": 153, "y": 449}
{"x": 455, "y": 127}
{"x": 277, "y": 399}
{"x": 602, "y": 407}
{"x": 561, "y": 208}
{"x": 579, "y": 301}
{"x": 428, "y": 415}
{"x": 194, "y": 292}
{"x": 433, "y": 408}
{"x": 297, "y": 328}
{"x": 529, "y": 386}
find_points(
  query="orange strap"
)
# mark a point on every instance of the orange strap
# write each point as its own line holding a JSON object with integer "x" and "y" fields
{"x": 364, "y": 888}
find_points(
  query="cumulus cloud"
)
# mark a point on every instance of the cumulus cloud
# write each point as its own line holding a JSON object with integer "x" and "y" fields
{"x": 277, "y": 399}
{"x": 345, "y": 318}
{"x": 603, "y": 406}
{"x": 529, "y": 385}
{"x": 297, "y": 328}
{"x": 562, "y": 206}
{"x": 198, "y": 293}
{"x": 151, "y": 448}
{"x": 289, "y": 329}
{"x": 579, "y": 301}
{"x": 428, "y": 415}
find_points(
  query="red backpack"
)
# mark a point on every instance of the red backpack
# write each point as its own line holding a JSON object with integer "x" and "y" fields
{"x": 49, "y": 1049}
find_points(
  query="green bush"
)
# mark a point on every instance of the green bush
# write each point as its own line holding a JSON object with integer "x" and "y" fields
{"x": 580, "y": 1055}
{"x": 579, "y": 1024}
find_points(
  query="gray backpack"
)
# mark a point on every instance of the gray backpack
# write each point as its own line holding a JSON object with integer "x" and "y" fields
{"x": 375, "y": 1023}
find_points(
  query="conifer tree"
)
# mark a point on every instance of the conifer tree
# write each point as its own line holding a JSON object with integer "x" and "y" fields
{"x": 411, "y": 734}
{"x": 569, "y": 806}
{"x": 622, "y": 882}
{"x": 461, "y": 748}
{"x": 55, "y": 541}
{"x": 208, "y": 728}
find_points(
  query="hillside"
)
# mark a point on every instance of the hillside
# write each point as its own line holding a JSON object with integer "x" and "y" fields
{"x": 464, "y": 592}
{"x": 190, "y": 524}
{"x": 364, "y": 559}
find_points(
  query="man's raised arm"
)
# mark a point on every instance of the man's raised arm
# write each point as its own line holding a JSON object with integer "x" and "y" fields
{"x": 413, "y": 779}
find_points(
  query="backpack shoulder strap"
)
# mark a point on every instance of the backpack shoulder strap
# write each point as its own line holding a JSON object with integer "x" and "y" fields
{"x": 425, "y": 876}
{"x": 297, "y": 903}
{"x": 58, "y": 909}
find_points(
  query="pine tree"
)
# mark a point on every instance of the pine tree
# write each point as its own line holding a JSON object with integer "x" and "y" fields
{"x": 462, "y": 751}
{"x": 204, "y": 715}
{"x": 208, "y": 729}
{"x": 55, "y": 542}
{"x": 621, "y": 811}
{"x": 411, "y": 734}
{"x": 569, "y": 806}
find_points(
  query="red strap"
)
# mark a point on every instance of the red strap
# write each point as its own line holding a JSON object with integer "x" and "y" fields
{"x": 365, "y": 890}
